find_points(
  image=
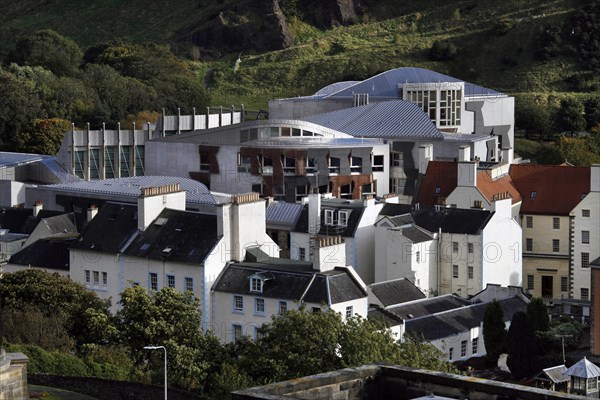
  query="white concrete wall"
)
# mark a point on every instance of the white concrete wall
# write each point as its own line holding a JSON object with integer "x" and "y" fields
{"x": 360, "y": 250}
{"x": 582, "y": 276}
{"x": 171, "y": 158}
{"x": 11, "y": 193}
{"x": 463, "y": 285}
{"x": 465, "y": 197}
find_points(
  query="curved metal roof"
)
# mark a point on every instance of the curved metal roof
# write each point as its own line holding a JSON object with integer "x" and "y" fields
{"x": 387, "y": 119}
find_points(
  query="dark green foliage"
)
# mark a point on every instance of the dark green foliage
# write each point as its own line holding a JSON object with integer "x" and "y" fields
{"x": 549, "y": 153}
{"x": 592, "y": 112}
{"x": 585, "y": 34}
{"x": 443, "y": 51}
{"x": 493, "y": 331}
{"x": 538, "y": 315}
{"x": 569, "y": 117}
{"x": 549, "y": 42}
{"x": 45, "y": 136}
{"x": 520, "y": 346}
{"x": 532, "y": 115}
{"x": 50, "y": 50}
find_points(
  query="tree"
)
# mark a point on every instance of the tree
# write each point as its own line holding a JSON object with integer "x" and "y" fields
{"x": 520, "y": 346}
{"x": 45, "y": 136}
{"x": 493, "y": 331}
{"x": 580, "y": 151}
{"x": 55, "y": 295}
{"x": 442, "y": 51}
{"x": 171, "y": 319}
{"x": 585, "y": 35}
{"x": 538, "y": 315}
{"x": 569, "y": 116}
{"x": 50, "y": 50}
{"x": 592, "y": 112}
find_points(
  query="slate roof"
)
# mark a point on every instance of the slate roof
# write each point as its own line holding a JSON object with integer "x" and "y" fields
{"x": 386, "y": 84}
{"x": 181, "y": 236}
{"x": 50, "y": 252}
{"x": 330, "y": 287}
{"x": 396, "y": 291}
{"x": 8, "y": 159}
{"x": 282, "y": 215}
{"x": 47, "y": 226}
{"x": 110, "y": 229}
{"x": 392, "y": 209}
{"x": 452, "y": 220}
{"x": 424, "y": 307}
{"x": 196, "y": 192}
{"x": 21, "y": 220}
{"x": 387, "y": 119}
{"x": 356, "y": 212}
{"x": 444, "y": 324}
{"x": 583, "y": 369}
{"x": 439, "y": 181}
{"x": 558, "y": 189}
{"x": 416, "y": 235}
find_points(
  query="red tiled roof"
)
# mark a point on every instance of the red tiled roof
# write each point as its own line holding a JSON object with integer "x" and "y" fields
{"x": 550, "y": 189}
{"x": 441, "y": 175}
{"x": 500, "y": 188}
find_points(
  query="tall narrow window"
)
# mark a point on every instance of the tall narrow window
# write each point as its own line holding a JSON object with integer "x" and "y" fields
{"x": 96, "y": 278}
{"x": 109, "y": 162}
{"x": 259, "y": 306}
{"x": 455, "y": 247}
{"x": 301, "y": 253}
{"x": 530, "y": 282}
{"x": 585, "y": 294}
{"x": 470, "y": 271}
{"x": 171, "y": 281}
{"x": 555, "y": 223}
{"x": 585, "y": 260}
{"x": 529, "y": 244}
{"x": 555, "y": 245}
{"x": 94, "y": 163}
{"x": 282, "y": 306}
{"x": 125, "y": 160}
{"x": 104, "y": 279}
{"x": 237, "y": 332}
{"x": 564, "y": 284}
{"x": 189, "y": 284}
{"x": 153, "y": 281}
{"x": 139, "y": 160}
{"x": 585, "y": 237}
{"x": 256, "y": 285}
{"x": 455, "y": 271}
{"x": 463, "y": 348}
{"x": 238, "y": 303}
{"x": 87, "y": 276}
{"x": 343, "y": 218}
{"x": 529, "y": 221}
{"x": 475, "y": 347}
{"x": 79, "y": 163}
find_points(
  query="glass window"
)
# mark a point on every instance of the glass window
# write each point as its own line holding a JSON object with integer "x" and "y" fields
{"x": 238, "y": 303}
{"x": 139, "y": 160}
{"x": 334, "y": 165}
{"x": 256, "y": 285}
{"x": 316, "y": 310}
{"x": 171, "y": 281}
{"x": 259, "y": 306}
{"x": 418, "y": 256}
{"x": 96, "y": 278}
{"x": 463, "y": 348}
{"x": 470, "y": 247}
{"x": 470, "y": 271}
{"x": 585, "y": 213}
{"x": 125, "y": 160}
{"x": 585, "y": 260}
{"x": 585, "y": 237}
{"x": 450, "y": 353}
{"x": 343, "y": 218}
{"x": 530, "y": 280}
{"x": 79, "y": 163}
{"x": 348, "y": 312}
{"x": 529, "y": 221}
{"x": 533, "y": 195}
{"x": 455, "y": 271}
{"x": 153, "y": 281}
{"x": 564, "y": 284}
{"x": 329, "y": 217}
{"x": 529, "y": 244}
{"x": 355, "y": 164}
{"x": 282, "y": 306}
{"x": 396, "y": 159}
{"x": 377, "y": 163}
{"x": 475, "y": 347}
{"x": 244, "y": 163}
{"x": 301, "y": 253}
{"x": 585, "y": 294}
{"x": 104, "y": 279}
{"x": 94, "y": 163}
{"x": 555, "y": 245}
{"x": 555, "y": 223}
{"x": 189, "y": 284}
{"x": 87, "y": 276}
{"x": 109, "y": 162}
{"x": 455, "y": 247}
{"x": 237, "y": 332}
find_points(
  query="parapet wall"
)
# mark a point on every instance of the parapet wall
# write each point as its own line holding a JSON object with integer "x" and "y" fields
{"x": 13, "y": 376}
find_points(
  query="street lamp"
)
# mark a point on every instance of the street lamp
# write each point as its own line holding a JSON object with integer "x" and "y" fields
{"x": 165, "y": 349}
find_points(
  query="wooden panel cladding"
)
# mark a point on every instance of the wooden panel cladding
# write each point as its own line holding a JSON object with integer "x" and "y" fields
{"x": 276, "y": 158}
{"x": 209, "y": 153}
{"x": 336, "y": 182}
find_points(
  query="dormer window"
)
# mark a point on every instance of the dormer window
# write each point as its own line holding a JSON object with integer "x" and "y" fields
{"x": 256, "y": 284}
{"x": 343, "y": 217}
{"x": 329, "y": 217}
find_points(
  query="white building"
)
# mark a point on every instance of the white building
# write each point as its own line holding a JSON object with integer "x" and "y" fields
{"x": 157, "y": 243}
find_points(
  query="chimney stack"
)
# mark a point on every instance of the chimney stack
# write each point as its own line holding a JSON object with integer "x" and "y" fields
{"x": 153, "y": 200}
{"x": 37, "y": 207}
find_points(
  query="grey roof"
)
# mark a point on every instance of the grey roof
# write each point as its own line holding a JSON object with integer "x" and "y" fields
{"x": 595, "y": 263}
{"x": 59, "y": 173}
{"x": 387, "y": 119}
{"x": 451, "y": 322}
{"x": 416, "y": 235}
{"x": 64, "y": 223}
{"x": 334, "y": 88}
{"x": 391, "y": 209}
{"x": 181, "y": 236}
{"x": 51, "y": 252}
{"x": 21, "y": 220}
{"x": 286, "y": 282}
{"x": 387, "y": 84}
{"x": 396, "y": 291}
{"x": 554, "y": 374}
{"x": 423, "y": 307}
{"x": 452, "y": 220}
{"x": 196, "y": 192}
{"x": 380, "y": 314}
{"x": 583, "y": 369}
{"x": 301, "y": 142}
{"x": 8, "y": 237}
{"x": 356, "y": 212}
{"x": 8, "y": 159}
{"x": 284, "y": 215}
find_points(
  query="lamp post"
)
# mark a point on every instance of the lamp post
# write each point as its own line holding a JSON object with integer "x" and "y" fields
{"x": 165, "y": 349}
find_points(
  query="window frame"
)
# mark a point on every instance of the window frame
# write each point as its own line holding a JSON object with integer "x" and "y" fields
{"x": 530, "y": 282}
{"x": 555, "y": 223}
{"x": 343, "y": 216}
{"x": 556, "y": 245}
{"x": 259, "y": 306}
{"x": 475, "y": 346}
{"x": 186, "y": 286}
{"x": 455, "y": 272}
{"x": 349, "y": 312}
{"x": 238, "y": 303}
{"x": 171, "y": 277}
{"x": 256, "y": 284}
{"x": 585, "y": 213}
{"x": 329, "y": 216}
{"x": 585, "y": 260}
{"x": 585, "y": 237}
{"x": 463, "y": 348}
{"x": 584, "y": 293}
{"x": 282, "y": 307}
{"x": 528, "y": 244}
{"x": 529, "y": 221}
{"x": 470, "y": 272}
{"x": 153, "y": 285}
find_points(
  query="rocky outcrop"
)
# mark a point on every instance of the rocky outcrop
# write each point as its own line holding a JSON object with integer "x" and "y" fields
{"x": 329, "y": 13}
{"x": 257, "y": 25}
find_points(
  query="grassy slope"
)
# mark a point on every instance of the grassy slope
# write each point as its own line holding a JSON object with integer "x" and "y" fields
{"x": 394, "y": 34}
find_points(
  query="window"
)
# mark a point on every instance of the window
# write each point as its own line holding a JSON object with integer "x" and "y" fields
{"x": 104, "y": 279}
{"x": 259, "y": 306}
{"x": 189, "y": 284}
{"x": 109, "y": 162}
{"x": 355, "y": 165}
{"x": 477, "y": 204}
{"x": 585, "y": 213}
{"x": 79, "y": 163}
{"x": 139, "y": 160}
{"x": 171, "y": 281}
{"x": 289, "y": 165}
{"x": 450, "y": 353}
{"x": 555, "y": 223}
{"x": 585, "y": 294}
{"x": 343, "y": 218}
{"x": 282, "y": 306}
{"x": 311, "y": 165}
{"x": 463, "y": 348}
{"x": 475, "y": 347}
{"x": 153, "y": 281}
{"x": 204, "y": 161}
{"x": 529, "y": 244}
{"x": 585, "y": 260}
{"x": 455, "y": 247}
{"x": 470, "y": 247}
{"x": 96, "y": 278}
{"x": 238, "y": 303}
{"x": 87, "y": 276}
{"x": 530, "y": 281}
{"x": 244, "y": 163}
{"x": 266, "y": 166}
{"x": 377, "y": 163}
{"x": 256, "y": 285}
{"x": 334, "y": 165}
{"x": 455, "y": 271}
{"x": 592, "y": 384}
{"x": 529, "y": 221}
{"x": 533, "y": 195}
{"x": 470, "y": 272}
{"x": 237, "y": 332}
{"x": 348, "y": 312}
{"x": 418, "y": 256}
{"x": 329, "y": 217}
{"x": 555, "y": 245}
{"x": 585, "y": 237}
{"x": 316, "y": 310}
{"x": 301, "y": 253}
{"x": 396, "y": 159}
{"x": 125, "y": 161}
{"x": 94, "y": 163}
{"x": 564, "y": 284}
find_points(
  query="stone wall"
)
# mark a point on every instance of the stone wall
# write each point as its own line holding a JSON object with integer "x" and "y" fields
{"x": 13, "y": 376}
